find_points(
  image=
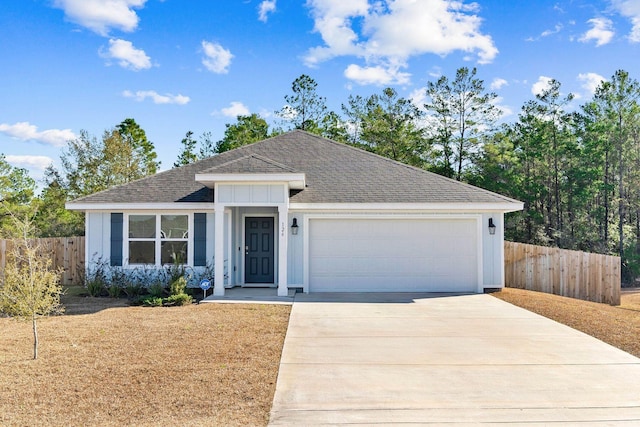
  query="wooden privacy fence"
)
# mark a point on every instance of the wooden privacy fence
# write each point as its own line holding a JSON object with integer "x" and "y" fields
{"x": 574, "y": 274}
{"x": 65, "y": 252}
{"x": 581, "y": 275}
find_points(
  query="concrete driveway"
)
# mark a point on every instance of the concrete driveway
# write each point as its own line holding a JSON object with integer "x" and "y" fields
{"x": 441, "y": 359}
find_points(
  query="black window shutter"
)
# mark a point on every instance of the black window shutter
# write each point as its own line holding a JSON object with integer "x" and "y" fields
{"x": 200, "y": 239}
{"x": 116, "y": 239}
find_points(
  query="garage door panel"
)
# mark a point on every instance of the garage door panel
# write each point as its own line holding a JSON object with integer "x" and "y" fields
{"x": 363, "y": 255}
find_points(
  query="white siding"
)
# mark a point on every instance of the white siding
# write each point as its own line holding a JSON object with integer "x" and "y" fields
{"x": 251, "y": 193}
{"x": 98, "y": 236}
{"x": 493, "y": 251}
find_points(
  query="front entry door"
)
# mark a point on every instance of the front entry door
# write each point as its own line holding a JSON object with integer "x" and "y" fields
{"x": 259, "y": 250}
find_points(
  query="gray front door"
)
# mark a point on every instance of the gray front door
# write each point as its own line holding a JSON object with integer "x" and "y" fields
{"x": 259, "y": 250}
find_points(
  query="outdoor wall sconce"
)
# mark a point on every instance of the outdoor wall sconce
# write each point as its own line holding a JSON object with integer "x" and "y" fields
{"x": 294, "y": 226}
{"x": 492, "y": 227}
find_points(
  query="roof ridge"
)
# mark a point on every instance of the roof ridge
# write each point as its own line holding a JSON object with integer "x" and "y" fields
{"x": 255, "y": 156}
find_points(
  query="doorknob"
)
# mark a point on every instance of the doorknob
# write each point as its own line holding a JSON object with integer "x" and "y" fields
{"x": 246, "y": 250}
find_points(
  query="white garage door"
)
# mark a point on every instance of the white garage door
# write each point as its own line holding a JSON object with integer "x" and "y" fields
{"x": 391, "y": 255}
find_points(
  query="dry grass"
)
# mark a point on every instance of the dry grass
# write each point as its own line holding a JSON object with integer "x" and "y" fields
{"x": 209, "y": 364}
{"x": 618, "y": 326}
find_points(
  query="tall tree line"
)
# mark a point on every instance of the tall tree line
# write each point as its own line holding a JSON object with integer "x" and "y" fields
{"x": 577, "y": 170}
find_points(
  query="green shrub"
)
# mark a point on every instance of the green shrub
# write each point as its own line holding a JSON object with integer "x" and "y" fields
{"x": 137, "y": 300}
{"x": 95, "y": 287}
{"x": 133, "y": 290}
{"x": 152, "y": 301}
{"x": 114, "y": 290}
{"x": 179, "y": 299}
{"x": 178, "y": 286}
{"x": 156, "y": 289}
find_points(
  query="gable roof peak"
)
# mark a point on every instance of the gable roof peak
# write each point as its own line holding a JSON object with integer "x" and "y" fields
{"x": 250, "y": 163}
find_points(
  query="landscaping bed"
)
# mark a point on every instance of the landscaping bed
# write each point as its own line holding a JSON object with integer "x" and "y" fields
{"x": 103, "y": 363}
{"x": 615, "y": 325}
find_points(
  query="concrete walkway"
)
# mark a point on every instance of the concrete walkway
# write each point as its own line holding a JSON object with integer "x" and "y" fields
{"x": 386, "y": 359}
{"x": 239, "y": 295}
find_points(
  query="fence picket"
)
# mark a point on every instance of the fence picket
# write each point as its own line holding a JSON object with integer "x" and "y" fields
{"x": 66, "y": 253}
{"x": 581, "y": 275}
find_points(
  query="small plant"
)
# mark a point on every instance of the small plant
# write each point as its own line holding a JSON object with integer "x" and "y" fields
{"x": 178, "y": 299}
{"x": 133, "y": 290}
{"x": 136, "y": 301}
{"x": 95, "y": 287}
{"x": 152, "y": 302}
{"x": 114, "y": 290}
{"x": 96, "y": 278}
{"x": 178, "y": 286}
{"x": 156, "y": 289}
{"x": 29, "y": 286}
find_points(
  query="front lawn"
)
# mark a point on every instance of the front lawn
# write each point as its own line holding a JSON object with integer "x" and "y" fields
{"x": 105, "y": 364}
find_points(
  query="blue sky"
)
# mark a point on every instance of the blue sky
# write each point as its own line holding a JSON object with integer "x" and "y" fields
{"x": 175, "y": 66}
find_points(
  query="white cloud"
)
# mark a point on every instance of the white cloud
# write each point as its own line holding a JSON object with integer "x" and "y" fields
{"x": 28, "y": 132}
{"x": 386, "y": 35}
{"x": 555, "y": 30}
{"x": 435, "y": 72}
{"x": 631, "y": 10}
{"x": 287, "y": 112}
{"x": 418, "y": 97}
{"x": 498, "y": 83}
{"x": 216, "y": 59}
{"x": 600, "y": 32}
{"x": 590, "y": 81}
{"x": 167, "y": 98}
{"x": 265, "y": 114}
{"x": 127, "y": 55}
{"x": 29, "y": 162}
{"x": 505, "y": 109}
{"x": 546, "y": 33}
{"x": 265, "y": 8}
{"x": 541, "y": 85}
{"x": 235, "y": 109}
{"x": 102, "y": 15}
{"x": 377, "y": 75}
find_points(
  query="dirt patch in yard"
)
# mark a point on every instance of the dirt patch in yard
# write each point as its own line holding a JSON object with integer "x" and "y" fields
{"x": 618, "y": 326}
{"x": 208, "y": 364}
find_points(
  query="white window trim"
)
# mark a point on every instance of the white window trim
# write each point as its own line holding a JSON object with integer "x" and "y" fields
{"x": 158, "y": 239}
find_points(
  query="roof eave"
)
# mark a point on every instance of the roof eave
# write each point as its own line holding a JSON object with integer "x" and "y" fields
{"x": 296, "y": 181}
{"x": 111, "y": 207}
{"x": 504, "y": 207}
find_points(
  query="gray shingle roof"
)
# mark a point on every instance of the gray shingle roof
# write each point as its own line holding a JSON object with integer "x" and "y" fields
{"x": 253, "y": 163}
{"x": 335, "y": 173}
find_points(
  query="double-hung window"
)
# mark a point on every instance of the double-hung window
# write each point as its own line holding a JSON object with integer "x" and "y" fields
{"x": 158, "y": 239}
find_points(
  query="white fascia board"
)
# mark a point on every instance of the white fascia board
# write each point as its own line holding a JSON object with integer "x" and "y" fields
{"x": 432, "y": 207}
{"x": 110, "y": 207}
{"x": 296, "y": 181}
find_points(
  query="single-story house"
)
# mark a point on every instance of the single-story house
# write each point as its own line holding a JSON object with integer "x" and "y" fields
{"x": 301, "y": 211}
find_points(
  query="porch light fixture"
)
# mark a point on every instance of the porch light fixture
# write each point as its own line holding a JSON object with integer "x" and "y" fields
{"x": 294, "y": 226}
{"x": 492, "y": 227}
